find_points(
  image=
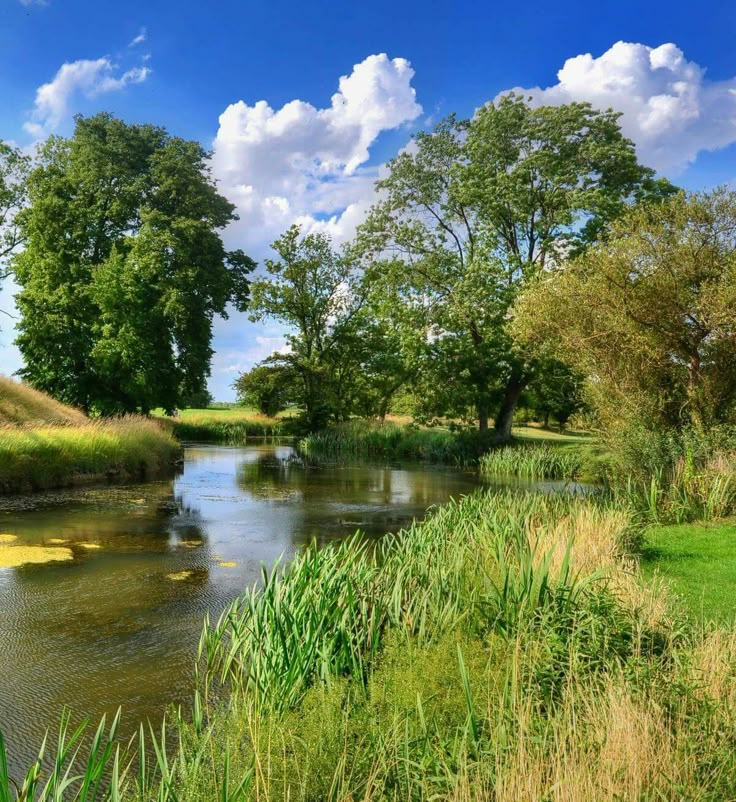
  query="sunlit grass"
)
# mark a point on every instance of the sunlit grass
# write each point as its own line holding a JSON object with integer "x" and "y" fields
{"x": 698, "y": 561}
{"x": 233, "y": 425}
{"x": 56, "y": 456}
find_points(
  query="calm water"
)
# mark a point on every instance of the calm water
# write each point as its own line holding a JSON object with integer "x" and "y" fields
{"x": 112, "y": 627}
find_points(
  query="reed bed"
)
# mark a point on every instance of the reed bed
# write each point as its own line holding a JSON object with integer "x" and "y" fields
{"x": 368, "y": 440}
{"x": 533, "y": 462}
{"x": 686, "y": 492}
{"x": 217, "y": 427}
{"x": 45, "y": 456}
{"x": 506, "y": 648}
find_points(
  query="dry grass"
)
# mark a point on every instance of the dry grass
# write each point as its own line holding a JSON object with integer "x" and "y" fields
{"x": 44, "y": 444}
{"x": 21, "y": 405}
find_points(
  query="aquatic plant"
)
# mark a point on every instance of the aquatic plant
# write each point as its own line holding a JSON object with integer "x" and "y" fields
{"x": 504, "y": 648}
{"x": 528, "y": 461}
{"x": 366, "y": 439}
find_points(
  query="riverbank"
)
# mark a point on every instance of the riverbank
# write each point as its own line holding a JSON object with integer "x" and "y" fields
{"x": 439, "y": 445}
{"x": 122, "y": 449}
{"x": 508, "y": 647}
{"x": 231, "y": 425}
{"x": 45, "y": 444}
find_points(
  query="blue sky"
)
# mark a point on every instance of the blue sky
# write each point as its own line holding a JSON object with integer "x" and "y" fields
{"x": 228, "y": 73}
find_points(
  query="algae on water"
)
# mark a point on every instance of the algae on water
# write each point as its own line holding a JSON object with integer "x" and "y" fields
{"x": 12, "y": 556}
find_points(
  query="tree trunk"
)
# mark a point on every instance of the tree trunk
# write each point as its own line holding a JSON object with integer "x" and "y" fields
{"x": 505, "y": 418}
{"x": 546, "y": 420}
{"x": 482, "y": 415}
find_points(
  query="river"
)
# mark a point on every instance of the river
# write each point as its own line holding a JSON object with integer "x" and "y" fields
{"x": 118, "y": 623}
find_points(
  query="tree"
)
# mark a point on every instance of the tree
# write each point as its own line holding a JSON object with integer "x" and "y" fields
{"x": 124, "y": 268}
{"x": 311, "y": 289}
{"x": 649, "y": 315}
{"x": 554, "y": 391}
{"x": 14, "y": 167}
{"x": 476, "y": 208}
{"x": 267, "y": 387}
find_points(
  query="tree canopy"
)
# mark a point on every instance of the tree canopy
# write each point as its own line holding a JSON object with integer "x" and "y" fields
{"x": 123, "y": 268}
{"x": 473, "y": 210}
{"x": 648, "y": 315}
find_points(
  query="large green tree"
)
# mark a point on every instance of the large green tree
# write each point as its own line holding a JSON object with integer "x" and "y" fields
{"x": 311, "y": 289}
{"x": 14, "y": 167}
{"x": 471, "y": 211}
{"x": 648, "y": 316}
{"x": 123, "y": 268}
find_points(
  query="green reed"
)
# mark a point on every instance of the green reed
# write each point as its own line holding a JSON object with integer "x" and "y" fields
{"x": 533, "y": 462}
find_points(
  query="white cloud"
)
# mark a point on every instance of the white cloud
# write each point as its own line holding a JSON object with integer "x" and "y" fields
{"x": 261, "y": 346}
{"x": 304, "y": 164}
{"x": 670, "y": 109}
{"x": 34, "y": 2}
{"x": 140, "y": 39}
{"x": 89, "y": 77}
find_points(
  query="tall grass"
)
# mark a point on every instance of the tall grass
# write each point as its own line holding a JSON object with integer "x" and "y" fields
{"x": 231, "y": 428}
{"x": 676, "y": 477}
{"x": 43, "y": 456}
{"x": 506, "y": 648}
{"x": 533, "y": 462}
{"x": 365, "y": 439}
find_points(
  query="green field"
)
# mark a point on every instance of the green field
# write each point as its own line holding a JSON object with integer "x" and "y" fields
{"x": 698, "y": 561}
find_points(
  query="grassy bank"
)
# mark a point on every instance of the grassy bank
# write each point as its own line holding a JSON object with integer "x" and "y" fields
{"x": 42, "y": 457}
{"x": 507, "y": 648}
{"x": 536, "y": 453}
{"x": 233, "y": 425}
{"x": 45, "y": 444}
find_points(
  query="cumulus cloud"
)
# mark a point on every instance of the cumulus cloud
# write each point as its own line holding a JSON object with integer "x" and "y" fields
{"x": 305, "y": 164}
{"x": 88, "y": 77}
{"x": 670, "y": 109}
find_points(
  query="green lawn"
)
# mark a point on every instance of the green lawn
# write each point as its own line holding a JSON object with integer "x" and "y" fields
{"x": 699, "y": 562}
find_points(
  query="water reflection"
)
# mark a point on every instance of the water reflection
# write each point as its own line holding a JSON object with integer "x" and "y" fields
{"x": 118, "y": 625}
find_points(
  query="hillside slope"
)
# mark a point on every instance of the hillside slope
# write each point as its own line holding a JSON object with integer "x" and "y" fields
{"x": 45, "y": 444}
{"x": 21, "y": 405}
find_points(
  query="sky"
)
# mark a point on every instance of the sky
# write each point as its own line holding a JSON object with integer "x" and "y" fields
{"x": 302, "y": 103}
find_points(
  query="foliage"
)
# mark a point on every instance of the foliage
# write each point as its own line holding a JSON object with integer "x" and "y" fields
{"x": 555, "y": 392}
{"x": 123, "y": 267}
{"x": 649, "y": 316}
{"x": 471, "y": 213}
{"x": 267, "y": 387}
{"x": 309, "y": 288}
{"x": 14, "y": 167}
